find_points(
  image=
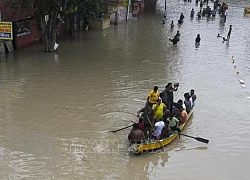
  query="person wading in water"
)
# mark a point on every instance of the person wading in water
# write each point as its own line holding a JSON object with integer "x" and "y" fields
{"x": 229, "y": 32}
{"x": 198, "y": 39}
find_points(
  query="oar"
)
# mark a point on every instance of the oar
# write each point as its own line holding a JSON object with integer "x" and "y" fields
{"x": 121, "y": 128}
{"x": 197, "y": 138}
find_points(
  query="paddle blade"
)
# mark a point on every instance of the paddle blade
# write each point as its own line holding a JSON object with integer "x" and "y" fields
{"x": 202, "y": 140}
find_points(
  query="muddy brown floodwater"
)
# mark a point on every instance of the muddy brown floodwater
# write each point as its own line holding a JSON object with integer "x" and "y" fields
{"x": 55, "y": 108}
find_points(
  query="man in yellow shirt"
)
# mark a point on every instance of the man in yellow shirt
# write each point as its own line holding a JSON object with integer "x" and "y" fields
{"x": 153, "y": 96}
{"x": 159, "y": 109}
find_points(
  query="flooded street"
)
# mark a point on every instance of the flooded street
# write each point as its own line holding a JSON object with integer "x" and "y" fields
{"x": 56, "y": 108}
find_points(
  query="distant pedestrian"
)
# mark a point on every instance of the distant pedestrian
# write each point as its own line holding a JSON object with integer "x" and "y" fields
{"x": 172, "y": 24}
{"x": 229, "y": 32}
{"x": 174, "y": 40}
{"x": 192, "y": 13}
{"x": 201, "y": 4}
{"x": 178, "y": 35}
{"x": 225, "y": 15}
{"x": 180, "y": 21}
{"x": 164, "y": 19}
{"x": 198, "y": 39}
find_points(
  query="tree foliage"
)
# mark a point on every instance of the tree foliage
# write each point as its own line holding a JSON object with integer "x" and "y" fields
{"x": 56, "y": 11}
{"x": 90, "y": 9}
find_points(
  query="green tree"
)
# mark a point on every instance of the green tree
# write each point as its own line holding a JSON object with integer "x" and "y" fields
{"x": 50, "y": 14}
{"x": 89, "y": 9}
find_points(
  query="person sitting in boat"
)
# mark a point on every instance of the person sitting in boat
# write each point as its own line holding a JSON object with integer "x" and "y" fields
{"x": 141, "y": 124}
{"x": 166, "y": 115}
{"x": 180, "y": 102}
{"x": 193, "y": 97}
{"x": 173, "y": 123}
{"x": 177, "y": 106}
{"x": 153, "y": 96}
{"x": 166, "y": 131}
{"x": 192, "y": 13}
{"x": 183, "y": 115}
{"x": 159, "y": 109}
{"x": 187, "y": 102}
{"x": 148, "y": 119}
{"x": 136, "y": 135}
{"x": 159, "y": 125}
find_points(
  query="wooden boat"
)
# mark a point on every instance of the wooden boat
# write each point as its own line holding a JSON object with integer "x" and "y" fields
{"x": 150, "y": 146}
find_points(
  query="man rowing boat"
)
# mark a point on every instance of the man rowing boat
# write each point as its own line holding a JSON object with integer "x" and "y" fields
{"x": 148, "y": 119}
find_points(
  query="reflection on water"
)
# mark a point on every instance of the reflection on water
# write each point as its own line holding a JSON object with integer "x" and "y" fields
{"x": 144, "y": 167}
{"x": 56, "y": 108}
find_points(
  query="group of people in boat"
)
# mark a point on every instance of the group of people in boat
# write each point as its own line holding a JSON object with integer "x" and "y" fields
{"x": 161, "y": 116}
